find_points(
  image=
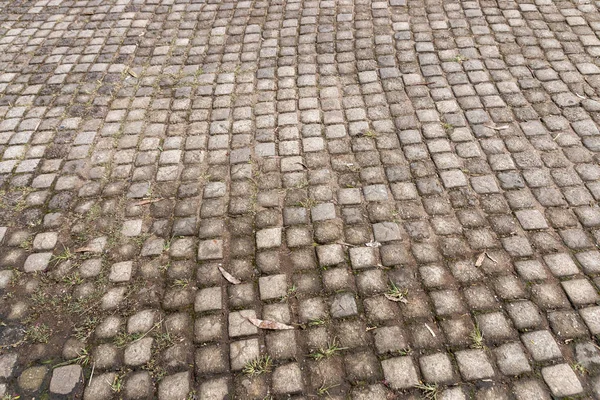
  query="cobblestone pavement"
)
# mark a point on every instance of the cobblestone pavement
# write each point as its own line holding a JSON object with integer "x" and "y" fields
{"x": 411, "y": 188}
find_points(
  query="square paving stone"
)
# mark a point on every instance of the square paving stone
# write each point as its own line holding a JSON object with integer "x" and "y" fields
{"x": 561, "y": 264}
{"x": 495, "y": 326}
{"x": 323, "y": 212}
{"x": 587, "y": 354}
{"x": 279, "y": 312}
{"x": 549, "y": 296}
{"x": 121, "y": 272}
{"x": 363, "y": 257}
{"x": 567, "y": 324}
{"x": 517, "y": 246}
{"x": 386, "y": 232}
{"x": 207, "y": 329}
{"x": 375, "y": 193}
{"x": 331, "y": 254}
{"x": 242, "y": 352}
{"x": 541, "y": 345}
{"x": 153, "y": 247}
{"x": 591, "y": 317}
{"x": 217, "y": 389}
{"x": 65, "y": 379}
{"x": 531, "y": 219}
{"x": 281, "y": 345}
{"x": 268, "y": 238}
{"x": 561, "y": 380}
{"x": 287, "y": 379}
{"x": 589, "y": 260}
{"x": 349, "y": 196}
{"x": 453, "y": 178}
{"x": 580, "y": 291}
{"x": 211, "y": 360}
{"x": 210, "y": 250}
{"x": 139, "y": 352}
{"x": 400, "y": 372}
{"x": 447, "y": 302}
{"x": 273, "y": 286}
{"x": 362, "y": 366}
{"x": 390, "y": 339}
{"x": 529, "y": 389}
{"x": 208, "y": 299}
{"x": 437, "y": 368}
{"x": 174, "y": 387}
{"x": 239, "y": 324}
{"x": 474, "y": 365}
{"x": 511, "y": 359}
{"x": 524, "y": 314}
{"x": 132, "y": 228}
{"x": 531, "y": 270}
{"x": 343, "y": 305}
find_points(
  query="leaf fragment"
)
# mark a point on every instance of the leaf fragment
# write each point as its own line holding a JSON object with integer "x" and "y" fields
{"x": 132, "y": 72}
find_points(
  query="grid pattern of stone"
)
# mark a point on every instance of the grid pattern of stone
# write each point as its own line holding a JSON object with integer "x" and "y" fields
{"x": 333, "y": 156}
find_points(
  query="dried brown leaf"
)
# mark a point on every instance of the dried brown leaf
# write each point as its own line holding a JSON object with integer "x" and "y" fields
{"x": 266, "y": 324}
{"x": 230, "y": 278}
{"x": 480, "y": 259}
{"x": 396, "y": 298}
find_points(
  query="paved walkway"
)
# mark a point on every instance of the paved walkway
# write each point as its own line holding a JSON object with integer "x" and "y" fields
{"x": 411, "y": 190}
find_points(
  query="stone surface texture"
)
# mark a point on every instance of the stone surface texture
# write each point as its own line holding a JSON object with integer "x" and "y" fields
{"x": 412, "y": 186}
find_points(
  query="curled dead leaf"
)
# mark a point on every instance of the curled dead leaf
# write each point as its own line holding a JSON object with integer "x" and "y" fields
{"x": 397, "y": 299}
{"x": 230, "y": 278}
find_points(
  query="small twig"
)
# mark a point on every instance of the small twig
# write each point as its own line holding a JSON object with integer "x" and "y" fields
{"x": 149, "y": 330}
{"x": 147, "y": 201}
{"x": 497, "y": 128}
{"x": 92, "y": 374}
{"x": 423, "y": 84}
{"x": 491, "y": 258}
{"x": 430, "y": 330}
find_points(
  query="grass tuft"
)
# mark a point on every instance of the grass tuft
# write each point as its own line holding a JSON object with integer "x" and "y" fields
{"x": 332, "y": 349}
{"x": 258, "y": 366}
{"x": 476, "y": 338}
{"x": 430, "y": 390}
{"x": 38, "y": 333}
